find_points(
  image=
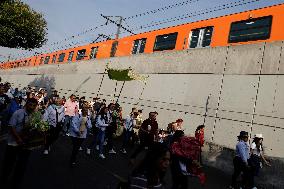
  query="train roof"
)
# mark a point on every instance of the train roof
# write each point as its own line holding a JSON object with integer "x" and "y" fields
{"x": 212, "y": 18}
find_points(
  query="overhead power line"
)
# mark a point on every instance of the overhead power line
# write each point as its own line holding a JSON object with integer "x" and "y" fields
{"x": 152, "y": 24}
{"x": 118, "y": 24}
{"x": 197, "y": 13}
{"x": 162, "y": 9}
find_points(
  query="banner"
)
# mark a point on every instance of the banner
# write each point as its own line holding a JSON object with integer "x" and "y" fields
{"x": 124, "y": 75}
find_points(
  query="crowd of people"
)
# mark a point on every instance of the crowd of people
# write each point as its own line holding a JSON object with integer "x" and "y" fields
{"x": 97, "y": 124}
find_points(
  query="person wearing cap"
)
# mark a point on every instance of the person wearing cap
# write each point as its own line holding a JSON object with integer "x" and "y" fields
{"x": 241, "y": 160}
{"x": 256, "y": 157}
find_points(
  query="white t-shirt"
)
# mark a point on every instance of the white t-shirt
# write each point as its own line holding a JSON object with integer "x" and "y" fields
{"x": 255, "y": 151}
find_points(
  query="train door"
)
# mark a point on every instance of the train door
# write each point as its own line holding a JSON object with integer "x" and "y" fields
{"x": 113, "y": 48}
{"x": 200, "y": 37}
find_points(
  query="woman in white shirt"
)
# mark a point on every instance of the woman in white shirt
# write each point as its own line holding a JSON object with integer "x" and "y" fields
{"x": 257, "y": 154}
{"x": 54, "y": 115}
{"x": 101, "y": 123}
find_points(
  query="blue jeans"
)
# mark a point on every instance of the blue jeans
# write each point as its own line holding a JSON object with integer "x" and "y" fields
{"x": 101, "y": 139}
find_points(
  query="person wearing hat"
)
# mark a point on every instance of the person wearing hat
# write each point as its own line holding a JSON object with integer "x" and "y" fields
{"x": 241, "y": 161}
{"x": 256, "y": 157}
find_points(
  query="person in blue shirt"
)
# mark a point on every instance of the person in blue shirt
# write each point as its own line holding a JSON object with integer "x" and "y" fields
{"x": 14, "y": 105}
{"x": 16, "y": 157}
{"x": 80, "y": 124}
{"x": 241, "y": 161}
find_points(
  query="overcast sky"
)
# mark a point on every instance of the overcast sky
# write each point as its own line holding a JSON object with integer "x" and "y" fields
{"x": 67, "y": 18}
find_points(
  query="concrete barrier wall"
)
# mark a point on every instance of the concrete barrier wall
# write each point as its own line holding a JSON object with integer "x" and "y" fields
{"x": 179, "y": 84}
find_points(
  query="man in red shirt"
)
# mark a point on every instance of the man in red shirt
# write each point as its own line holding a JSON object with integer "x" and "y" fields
{"x": 147, "y": 133}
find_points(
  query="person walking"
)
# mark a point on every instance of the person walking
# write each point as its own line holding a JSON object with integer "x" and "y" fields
{"x": 71, "y": 109}
{"x": 80, "y": 124}
{"x": 54, "y": 116}
{"x": 136, "y": 128}
{"x": 110, "y": 130}
{"x": 147, "y": 133}
{"x": 102, "y": 122}
{"x": 240, "y": 161}
{"x": 129, "y": 124}
{"x": 16, "y": 156}
{"x": 256, "y": 158}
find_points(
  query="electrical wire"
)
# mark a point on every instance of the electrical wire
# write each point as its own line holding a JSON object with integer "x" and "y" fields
{"x": 197, "y": 13}
{"x": 162, "y": 9}
{"x": 152, "y": 24}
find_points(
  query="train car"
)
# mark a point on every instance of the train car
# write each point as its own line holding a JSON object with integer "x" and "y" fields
{"x": 254, "y": 26}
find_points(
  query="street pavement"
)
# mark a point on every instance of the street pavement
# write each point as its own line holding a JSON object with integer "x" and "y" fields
{"x": 53, "y": 171}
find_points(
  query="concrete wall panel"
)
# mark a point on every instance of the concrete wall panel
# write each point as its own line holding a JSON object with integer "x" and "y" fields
{"x": 180, "y": 82}
{"x": 272, "y": 57}
{"x": 244, "y": 59}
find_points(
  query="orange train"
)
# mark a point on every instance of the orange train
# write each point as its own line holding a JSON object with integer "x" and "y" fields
{"x": 260, "y": 25}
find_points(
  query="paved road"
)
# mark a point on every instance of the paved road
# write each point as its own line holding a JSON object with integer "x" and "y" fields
{"x": 53, "y": 171}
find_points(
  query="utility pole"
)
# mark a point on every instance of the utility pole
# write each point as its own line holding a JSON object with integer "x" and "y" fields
{"x": 115, "y": 43}
{"x": 118, "y": 27}
{"x": 119, "y": 24}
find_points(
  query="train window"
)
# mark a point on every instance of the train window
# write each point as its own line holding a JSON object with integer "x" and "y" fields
{"x": 70, "y": 57}
{"x": 41, "y": 60}
{"x": 165, "y": 42}
{"x": 139, "y": 46}
{"x": 53, "y": 59}
{"x": 250, "y": 30}
{"x": 94, "y": 52}
{"x": 201, "y": 37}
{"x": 81, "y": 54}
{"x": 46, "y": 60}
{"x": 61, "y": 57}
